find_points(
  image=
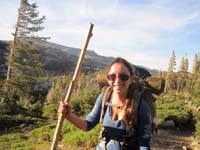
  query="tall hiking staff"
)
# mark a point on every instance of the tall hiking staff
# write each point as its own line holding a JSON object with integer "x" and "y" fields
{"x": 70, "y": 88}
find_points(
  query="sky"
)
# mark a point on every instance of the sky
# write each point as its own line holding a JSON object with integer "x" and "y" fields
{"x": 145, "y": 32}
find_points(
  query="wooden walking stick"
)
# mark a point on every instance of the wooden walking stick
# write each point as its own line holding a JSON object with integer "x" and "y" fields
{"x": 70, "y": 88}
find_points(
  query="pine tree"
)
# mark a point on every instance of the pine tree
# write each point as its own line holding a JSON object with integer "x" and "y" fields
{"x": 182, "y": 73}
{"x": 171, "y": 77}
{"x": 186, "y": 65}
{"x": 196, "y": 64}
{"x": 25, "y": 65}
{"x": 194, "y": 84}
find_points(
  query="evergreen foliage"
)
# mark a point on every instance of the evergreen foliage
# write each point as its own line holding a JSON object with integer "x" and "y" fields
{"x": 59, "y": 88}
{"x": 172, "y": 107}
{"x": 25, "y": 66}
{"x": 81, "y": 139}
{"x": 182, "y": 74}
{"x": 197, "y": 129}
{"x": 196, "y": 64}
{"x": 171, "y": 76}
{"x": 84, "y": 102}
{"x": 13, "y": 141}
{"x": 84, "y": 94}
{"x": 50, "y": 111}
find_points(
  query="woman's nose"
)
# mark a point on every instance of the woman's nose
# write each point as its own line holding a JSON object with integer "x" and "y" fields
{"x": 117, "y": 80}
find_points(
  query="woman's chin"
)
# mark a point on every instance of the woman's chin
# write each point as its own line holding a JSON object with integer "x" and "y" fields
{"x": 118, "y": 91}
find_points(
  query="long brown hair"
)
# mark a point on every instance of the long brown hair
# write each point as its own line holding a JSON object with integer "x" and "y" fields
{"x": 130, "y": 111}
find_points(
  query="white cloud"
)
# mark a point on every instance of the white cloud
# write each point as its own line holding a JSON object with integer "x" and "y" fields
{"x": 140, "y": 23}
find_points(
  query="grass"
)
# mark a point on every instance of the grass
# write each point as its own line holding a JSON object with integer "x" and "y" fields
{"x": 41, "y": 138}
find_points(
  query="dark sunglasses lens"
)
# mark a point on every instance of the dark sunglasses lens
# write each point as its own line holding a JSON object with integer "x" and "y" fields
{"x": 124, "y": 77}
{"x": 111, "y": 77}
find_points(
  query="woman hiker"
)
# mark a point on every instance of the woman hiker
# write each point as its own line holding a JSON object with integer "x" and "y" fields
{"x": 125, "y": 126}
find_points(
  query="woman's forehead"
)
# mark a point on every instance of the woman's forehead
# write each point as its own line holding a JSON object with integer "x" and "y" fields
{"x": 119, "y": 68}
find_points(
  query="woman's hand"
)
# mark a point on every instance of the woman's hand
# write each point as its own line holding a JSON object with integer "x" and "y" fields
{"x": 65, "y": 109}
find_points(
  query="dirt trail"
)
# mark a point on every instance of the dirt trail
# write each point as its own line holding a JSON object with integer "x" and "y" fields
{"x": 169, "y": 139}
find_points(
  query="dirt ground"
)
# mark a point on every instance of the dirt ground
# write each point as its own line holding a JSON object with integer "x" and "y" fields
{"x": 170, "y": 139}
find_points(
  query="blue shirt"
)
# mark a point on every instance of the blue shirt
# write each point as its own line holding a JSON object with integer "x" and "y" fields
{"x": 118, "y": 127}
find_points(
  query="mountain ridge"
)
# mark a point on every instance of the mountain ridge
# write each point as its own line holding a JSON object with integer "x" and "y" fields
{"x": 59, "y": 59}
{"x": 90, "y": 54}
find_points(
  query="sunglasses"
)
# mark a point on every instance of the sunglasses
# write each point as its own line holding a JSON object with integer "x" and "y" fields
{"x": 122, "y": 77}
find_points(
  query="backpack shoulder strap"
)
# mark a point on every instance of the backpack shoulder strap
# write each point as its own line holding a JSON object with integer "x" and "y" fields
{"x": 105, "y": 98}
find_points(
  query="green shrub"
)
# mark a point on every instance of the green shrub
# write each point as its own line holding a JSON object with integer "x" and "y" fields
{"x": 35, "y": 109}
{"x": 50, "y": 111}
{"x": 4, "y": 108}
{"x": 14, "y": 121}
{"x": 84, "y": 102}
{"x": 44, "y": 133}
{"x": 22, "y": 145}
{"x": 197, "y": 130}
{"x": 9, "y": 108}
{"x": 14, "y": 141}
{"x": 80, "y": 138}
{"x": 68, "y": 128}
{"x": 171, "y": 106}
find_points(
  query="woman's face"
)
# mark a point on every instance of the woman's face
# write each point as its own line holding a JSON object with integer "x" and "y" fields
{"x": 119, "y": 78}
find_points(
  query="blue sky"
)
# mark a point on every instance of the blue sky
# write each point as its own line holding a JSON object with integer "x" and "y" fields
{"x": 145, "y": 32}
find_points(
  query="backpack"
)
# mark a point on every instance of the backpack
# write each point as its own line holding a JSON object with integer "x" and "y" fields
{"x": 149, "y": 86}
